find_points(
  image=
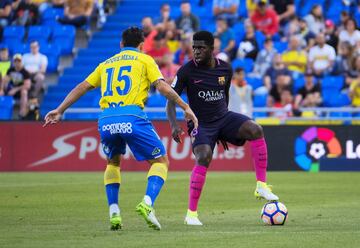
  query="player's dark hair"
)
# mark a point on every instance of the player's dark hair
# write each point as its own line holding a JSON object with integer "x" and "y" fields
{"x": 132, "y": 37}
{"x": 205, "y": 36}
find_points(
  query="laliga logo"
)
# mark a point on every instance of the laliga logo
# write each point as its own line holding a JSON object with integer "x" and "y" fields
{"x": 313, "y": 144}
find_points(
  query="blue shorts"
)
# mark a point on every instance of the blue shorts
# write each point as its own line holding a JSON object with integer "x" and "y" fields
{"x": 129, "y": 125}
{"x": 224, "y": 128}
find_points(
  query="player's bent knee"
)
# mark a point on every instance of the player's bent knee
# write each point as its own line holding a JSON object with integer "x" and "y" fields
{"x": 251, "y": 131}
{"x": 257, "y": 131}
{"x": 115, "y": 161}
{"x": 203, "y": 158}
{"x": 163, "y": 159}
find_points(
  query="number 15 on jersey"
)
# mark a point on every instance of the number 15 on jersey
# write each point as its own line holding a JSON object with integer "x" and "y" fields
{"x": 120, "y": 78}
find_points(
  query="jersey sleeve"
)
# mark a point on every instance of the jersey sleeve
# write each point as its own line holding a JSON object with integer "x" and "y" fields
{"x": 153, "y": 71}
{"x": 180, "y": 81}
{"x": 95, "y": 77}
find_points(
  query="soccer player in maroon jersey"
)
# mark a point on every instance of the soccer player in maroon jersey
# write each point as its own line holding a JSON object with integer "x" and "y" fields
{"x": 207, "y": 81}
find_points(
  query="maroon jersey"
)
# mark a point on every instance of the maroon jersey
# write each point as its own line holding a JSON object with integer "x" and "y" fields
{"x": 206, "y": 88}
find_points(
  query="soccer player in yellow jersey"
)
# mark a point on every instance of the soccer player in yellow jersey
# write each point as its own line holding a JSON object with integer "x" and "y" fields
{"x": 125, "y": 81}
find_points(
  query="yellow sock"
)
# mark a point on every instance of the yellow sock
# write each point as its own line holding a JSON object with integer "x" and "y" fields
{"x": 112, "y": 174}
{"x": 158, "y": 169}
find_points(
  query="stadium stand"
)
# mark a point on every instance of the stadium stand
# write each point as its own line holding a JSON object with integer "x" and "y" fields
{"x": 59, "y": 40}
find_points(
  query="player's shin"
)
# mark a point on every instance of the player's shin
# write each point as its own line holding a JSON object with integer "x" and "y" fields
{"x": 156, "y": 178}
{"x": 112, "y": 180}
{"x": 259, "y": 153}
{"x": 197, "y": 182}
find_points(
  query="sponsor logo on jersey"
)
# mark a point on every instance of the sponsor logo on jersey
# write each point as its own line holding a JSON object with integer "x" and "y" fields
{"x": 211, "y": 95}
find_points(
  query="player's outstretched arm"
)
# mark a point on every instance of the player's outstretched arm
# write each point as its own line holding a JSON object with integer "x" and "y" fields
{"x": 55, "y": 115}
{"x": 172, "y": 96}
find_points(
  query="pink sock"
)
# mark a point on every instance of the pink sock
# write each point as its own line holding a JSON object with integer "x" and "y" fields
{"x": 259, "y": 153}
{"x": 197, "y": 182}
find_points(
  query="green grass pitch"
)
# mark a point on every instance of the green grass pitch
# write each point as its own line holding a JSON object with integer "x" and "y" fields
{"x": 70, "y": 210}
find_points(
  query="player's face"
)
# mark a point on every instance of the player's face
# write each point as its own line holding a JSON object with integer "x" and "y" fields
{"x": 202, "y": 52}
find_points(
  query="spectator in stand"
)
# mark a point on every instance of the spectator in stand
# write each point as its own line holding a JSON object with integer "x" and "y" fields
{"x": 17, "y": 83}
{"x": 295, "y": 58}
{"x": 285, "y": 10}
{"x": 344, "y": 16}
{"x": 5, "y": 62}
{"x": 36, "y": 63}
{"x": 164, "y": 17}
{"x": 265, "y": 19}
{"x": 264, "y": 59}
{"x": 159, "y": 50}
{"x": 315, "y": 20}
{"x": 309, "y": 95}
{"x": 169, "y": 69}
{"x": 281, "y": 83}
{"x": 350, "y": 33}
{"x": 25, "y": 13}
{"x": 172, "y": 37}
{"x": 330, "y": 34}
{"x": 226, "y": 36}
{"x": 277, "y": 69}
{"x": 217, "y": 50}
{"x": 149, "y": 32}
{"x": 321, "y": 57}
{"x": 307, "y": 35}
{"x": 185, "y": 53}
{"x": 354, "y": 73}
{"x": 248, "y": 47}
{"x": 285, "y": 103}
{"x": 344, "y": 59}
{"x": 292, "y": 28}
{"x": 240, "y": 94}
{"x": 77, "y": 13}
{"x": 354, "y": 93}
{"x": 5, "y": 14}
{"x": 187, "y": 22}
{"x": 227, "y": 10}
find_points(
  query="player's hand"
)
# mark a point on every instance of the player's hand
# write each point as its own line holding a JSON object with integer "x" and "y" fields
{"x": 190, "y": 116}
{"x": 176, "y": 133}
{"x": 223, "y": 143}
{"x": 52, "y": 117}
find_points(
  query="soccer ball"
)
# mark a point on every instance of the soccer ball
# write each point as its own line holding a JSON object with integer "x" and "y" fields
{"x": 274, "y": 213}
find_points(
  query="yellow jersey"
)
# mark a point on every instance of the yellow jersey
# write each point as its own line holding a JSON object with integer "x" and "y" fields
{"x": 295, "y": 56}
{"x": 125, "y": 78}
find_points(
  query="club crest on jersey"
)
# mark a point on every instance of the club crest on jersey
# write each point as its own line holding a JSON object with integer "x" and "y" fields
{"x": 221, "y": 80}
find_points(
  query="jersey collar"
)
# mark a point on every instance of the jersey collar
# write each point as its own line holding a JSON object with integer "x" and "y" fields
{"x": 129, "y": 48}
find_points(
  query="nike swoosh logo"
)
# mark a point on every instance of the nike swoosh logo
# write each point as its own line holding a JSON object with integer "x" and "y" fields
{"x": 63, "y": 149}
{"x": 197, "y": 81}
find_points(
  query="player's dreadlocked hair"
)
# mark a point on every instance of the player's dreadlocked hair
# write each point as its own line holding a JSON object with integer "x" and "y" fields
{"x": 132, "y": 37}
{"x": 205, "y": 36}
